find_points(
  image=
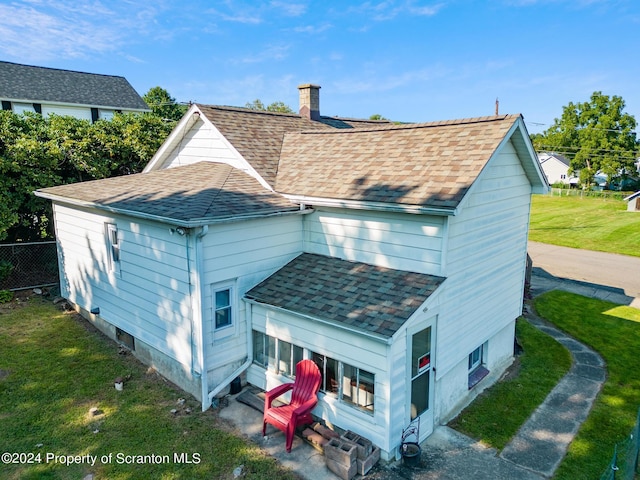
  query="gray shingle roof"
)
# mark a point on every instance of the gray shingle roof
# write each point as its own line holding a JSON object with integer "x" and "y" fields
{"x": 189, "y": 194}
{"x": 374, "y": 299}
{"x": 424, "y": 164}
{"x": 41, "y": 84}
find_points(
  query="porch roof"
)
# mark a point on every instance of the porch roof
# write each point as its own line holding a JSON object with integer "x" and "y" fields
{"x": 364, "y": 297}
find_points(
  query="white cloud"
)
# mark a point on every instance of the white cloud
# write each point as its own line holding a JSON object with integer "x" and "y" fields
{"x": 53, "y": 29}
{"x": 268, "y": 54}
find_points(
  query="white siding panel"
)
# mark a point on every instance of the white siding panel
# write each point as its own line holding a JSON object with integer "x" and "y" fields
{"x": 485, "y": 260}
{"x": 400, "y": 241}
{"x": 83, "y": 113}
{"x": 243, "y": 253}
{"x": 149, "y": 298}
{"x": 343, "y": 346}
{"x": 202, "y": 143}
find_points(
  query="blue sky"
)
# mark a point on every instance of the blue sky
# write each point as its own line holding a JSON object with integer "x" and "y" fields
{"x": 408, "y": 60}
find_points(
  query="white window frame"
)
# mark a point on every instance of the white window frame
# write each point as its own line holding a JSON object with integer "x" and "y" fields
{"x": 114, "y": 243}
{"x": 474, "y": 363}
{"x": 224, "y": 331}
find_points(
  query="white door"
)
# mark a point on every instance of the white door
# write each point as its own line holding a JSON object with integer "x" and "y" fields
{"x": 421, "y": 348}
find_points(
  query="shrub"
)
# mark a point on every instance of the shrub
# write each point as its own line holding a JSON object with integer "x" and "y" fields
{"x": 6, "y": 267}
{"x": 6, "y": 296}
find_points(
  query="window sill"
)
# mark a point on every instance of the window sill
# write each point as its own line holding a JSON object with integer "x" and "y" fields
{"x": 477, "y": 375}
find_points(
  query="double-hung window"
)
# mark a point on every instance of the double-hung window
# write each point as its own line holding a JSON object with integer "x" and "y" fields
{"x": 223, "y": 313}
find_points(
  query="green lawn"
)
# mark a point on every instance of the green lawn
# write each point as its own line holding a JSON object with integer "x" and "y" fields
{"x": 614, "y": 332}
{"x": 497, "y": 414}
{"x": 53, "y": 370}
{"x": 590, "y": 223}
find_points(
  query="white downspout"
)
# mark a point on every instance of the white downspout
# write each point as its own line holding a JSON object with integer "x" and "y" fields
{"x": 202, "y": 351}
{"x": 242, "y": 367}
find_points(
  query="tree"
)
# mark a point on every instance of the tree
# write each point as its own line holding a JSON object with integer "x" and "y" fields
{"x": 38, "y": 152}
{"x": 163, "y": 105}
{"x": 377, "y": 116}
{"x": 596, "y": 136}
{"x": 279, "y": 107}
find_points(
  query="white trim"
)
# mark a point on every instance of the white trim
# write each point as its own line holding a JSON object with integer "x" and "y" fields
{"x": 375, "y": 206}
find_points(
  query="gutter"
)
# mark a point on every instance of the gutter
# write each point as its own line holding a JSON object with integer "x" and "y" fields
{"x": 373, "y": 336}
{"x": 192, "y": 223}
{"x": 376, "y": 206}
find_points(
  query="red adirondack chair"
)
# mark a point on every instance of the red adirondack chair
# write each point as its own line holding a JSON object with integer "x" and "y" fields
{"x": 303, "y": 398}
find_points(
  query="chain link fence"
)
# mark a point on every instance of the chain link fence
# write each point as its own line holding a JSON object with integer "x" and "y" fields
{"x": 28, "y": 265}
{"x": 624, "y": 463}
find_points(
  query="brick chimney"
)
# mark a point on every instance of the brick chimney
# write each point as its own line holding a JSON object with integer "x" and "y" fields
{"x": 310, "y": 101}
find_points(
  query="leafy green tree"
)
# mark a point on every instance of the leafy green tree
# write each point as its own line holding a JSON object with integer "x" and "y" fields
{"x": 279, "y": 107}
{"x": 596, "y": 136}
{"x": 38, "y": 152}
{"x": 377, "y": 116}
{"x": 163, "y": 104}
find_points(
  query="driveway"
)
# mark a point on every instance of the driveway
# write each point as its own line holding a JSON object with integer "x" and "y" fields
{"x": 615, "y": 277}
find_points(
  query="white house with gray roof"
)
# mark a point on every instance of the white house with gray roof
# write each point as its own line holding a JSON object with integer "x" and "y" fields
{"x": 89, "y": 96}
{"x": 392, "y": 255}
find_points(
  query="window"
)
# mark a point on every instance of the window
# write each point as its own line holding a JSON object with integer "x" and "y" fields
{"x": 288, "y": 356}
{"x": 276, "y": 355}
{"x": 357, "y": 387}
{"x": 476, "y": 362}
{"x": 113, "y": 247}
{"x": 329, "y": 370}
{"x": 222, "y": 308}
{"x": 264, "y": 350}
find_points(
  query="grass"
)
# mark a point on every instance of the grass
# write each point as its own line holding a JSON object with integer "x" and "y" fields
{"x": 54, "y": 369}
{"x": 589, "y": 223}
{"x": 614, "y": 332}
{"x": 497, "y": 414}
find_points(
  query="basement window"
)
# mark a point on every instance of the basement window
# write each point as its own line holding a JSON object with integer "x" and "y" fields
{"x": 476, "y": 365}
{"x": 126, "y": 339}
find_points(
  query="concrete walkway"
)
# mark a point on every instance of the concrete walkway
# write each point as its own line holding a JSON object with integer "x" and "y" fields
{"x": 542, "y": 442}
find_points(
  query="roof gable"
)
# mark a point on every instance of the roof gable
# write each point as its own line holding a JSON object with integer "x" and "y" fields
{"x": 40, "y": 84}
{"x": 356, "y": 295}
{"x": 191, "y": 195}
{"x": 428, "y": 164}
{"x": 258, "y": 135}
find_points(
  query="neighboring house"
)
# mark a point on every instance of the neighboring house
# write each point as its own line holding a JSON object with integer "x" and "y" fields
{"x": 89, "y": 96}
{"x": 633, "y": 202}
{"x": 392, "y": 255}
{"x": 556, "y": 168}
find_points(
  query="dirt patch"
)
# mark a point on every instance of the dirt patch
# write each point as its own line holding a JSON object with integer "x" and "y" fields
{"x": 513, "y": 371}
{"x": 4, "y": 374}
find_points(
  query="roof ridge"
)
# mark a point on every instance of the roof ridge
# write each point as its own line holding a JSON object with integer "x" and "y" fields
{"x": 232, "y": 108}
{"x": 62, "y": 69}
{"x": 411, "y": 126}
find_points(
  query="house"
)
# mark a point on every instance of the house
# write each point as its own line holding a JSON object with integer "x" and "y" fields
{"x": 392, "y": 255}
{"x": 633, "y": 202}
{"x": 89, "y": 96}
{"x": 557, "y": 169}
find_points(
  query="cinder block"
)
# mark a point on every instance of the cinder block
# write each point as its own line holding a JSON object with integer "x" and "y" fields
{"x": 346, "y": 472}
{"x": 363, "y": 445}
{"x": 341, "y": 451}
{"x": 363, "y": 466}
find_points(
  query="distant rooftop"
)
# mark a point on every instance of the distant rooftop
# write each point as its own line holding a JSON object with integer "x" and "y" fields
{"x": 41, "y": 85}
